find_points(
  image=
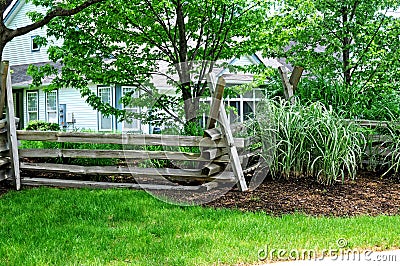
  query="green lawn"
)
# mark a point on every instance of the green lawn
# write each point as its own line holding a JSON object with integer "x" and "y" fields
{"x": 118, "y": 227}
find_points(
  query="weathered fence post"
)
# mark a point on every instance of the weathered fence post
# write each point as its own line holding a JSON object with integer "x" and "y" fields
{"x": 3, "y": 71}
{"x": 11, "y": 125}
{"x": 226, "y": 131}
{"x": 290, "y": 85}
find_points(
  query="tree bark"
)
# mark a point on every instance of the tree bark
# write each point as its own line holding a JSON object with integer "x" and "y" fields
{"x": 192, "y": 107}
{"x": 1, "y": 51}
{"x": 346, "y": 49}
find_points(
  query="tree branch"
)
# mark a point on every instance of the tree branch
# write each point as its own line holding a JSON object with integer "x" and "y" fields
{"x": 370, "y": 41}
{"x": 57, "y": 12}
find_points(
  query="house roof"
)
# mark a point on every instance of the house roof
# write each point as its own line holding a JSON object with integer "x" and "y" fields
{"x": 19, "y": 78}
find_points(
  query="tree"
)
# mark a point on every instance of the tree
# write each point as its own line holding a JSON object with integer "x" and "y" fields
{"x": 355, "y": 39}
{"x": 348, "y": 43}
{"x": 128, "y": 42}
{"x": 55, "y": 9}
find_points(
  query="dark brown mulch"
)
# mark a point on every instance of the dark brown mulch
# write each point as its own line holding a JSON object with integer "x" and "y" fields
{"x": 367, "y": 195}
{"x": 4, "y": 187}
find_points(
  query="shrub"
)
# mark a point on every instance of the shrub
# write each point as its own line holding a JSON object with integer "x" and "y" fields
{"x": 42, "y": 126}
{"x": 356, "y": 102}
{"x": 308, "y": 140}
{"x": 67, "y": 145}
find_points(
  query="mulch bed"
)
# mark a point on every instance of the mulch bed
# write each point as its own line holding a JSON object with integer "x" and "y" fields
{"x": 367, "y": 195}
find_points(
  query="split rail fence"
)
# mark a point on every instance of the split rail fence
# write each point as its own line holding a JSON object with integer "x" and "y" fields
{"x": 221, "y": 157}
{"x": 218, "y": 159}
{"x": 214, "y": 157}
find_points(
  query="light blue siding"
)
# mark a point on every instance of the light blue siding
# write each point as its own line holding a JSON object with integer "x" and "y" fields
{"x": 18, "y": 51}
{"x": 85, "y": 116}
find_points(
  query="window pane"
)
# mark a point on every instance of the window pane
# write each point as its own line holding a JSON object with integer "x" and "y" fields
{"x": 52, "y": 101}
{"x": 259, "y": 93}
{"x": 247, "y": 110}
{"x": 34, "y": 44}
{"x": 235, "y": 114}
{"x": 248, "y": 94}
{"x": 105, "y": 122}
{"x": 32, "y": 101}
{"x": 131, "y": 122}
{"x": 105, "y": 94}
{"x": 52, "y": 117}
{"x": 32, "y": 116}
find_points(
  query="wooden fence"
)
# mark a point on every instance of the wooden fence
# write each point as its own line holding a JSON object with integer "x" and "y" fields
{"x": 132, "y": 149}
{"x": 221, "y": 157}
{"x": 218, "y": 158}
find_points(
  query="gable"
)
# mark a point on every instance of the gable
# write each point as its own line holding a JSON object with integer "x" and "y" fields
{"x": 15, "y": 15}
{"x": 9, "y": 11}
{"x": 19, "y": 51}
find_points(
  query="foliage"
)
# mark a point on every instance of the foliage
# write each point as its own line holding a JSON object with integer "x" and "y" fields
{"x": 192, "y": 128}
{"x": 42, "y": 126}
{"x": 350, "y": 40}
{"x": 350, "y": 102}
{"x": 347, "y": 49}
{"x": 140, "y": 42}
{"x": 27, "y": 144}
{"x": 55, "y": 9}
{"x": 308, "y": 140}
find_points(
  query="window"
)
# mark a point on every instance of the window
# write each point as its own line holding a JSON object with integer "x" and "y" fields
{"x": 51, "y": 107}
{"x": 105, "y": 122}
{"x": 32, "y": 105}
{"x": 131, "y": 124}
{"x": 235, "y": 113}
{"x": 242, "y": 106}
{"x": 34, "y": 44}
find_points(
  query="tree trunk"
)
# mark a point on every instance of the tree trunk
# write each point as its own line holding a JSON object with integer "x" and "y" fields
{"x": 346, "y": 61}
{"x": 192, "y": 107}
{"x": 346, "y": 50}
{"x": 1, "y": 52}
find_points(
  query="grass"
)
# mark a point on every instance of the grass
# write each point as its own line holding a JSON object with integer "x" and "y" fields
{"x": 308, "y": 140}
{"x": 116, "y": 227}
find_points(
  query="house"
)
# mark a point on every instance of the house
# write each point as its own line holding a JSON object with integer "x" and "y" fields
{"x": 67, "y": 107}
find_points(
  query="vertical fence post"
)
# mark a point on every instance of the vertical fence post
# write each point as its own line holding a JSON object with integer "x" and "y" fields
{"x": 12, "y": 129}
{"x": 3, "y": 71}
{"x": 226, "y": 131}
{"x": 290, "y": 85}
{"x": 287, "y": 87}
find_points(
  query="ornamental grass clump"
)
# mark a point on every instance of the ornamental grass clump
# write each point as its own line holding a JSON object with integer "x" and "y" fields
{"x": 392, "y": 150}
{"x": 308, "y": 141}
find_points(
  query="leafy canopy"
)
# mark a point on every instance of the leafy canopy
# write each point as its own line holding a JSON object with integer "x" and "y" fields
{"x": 348, "y": 44}
{"x": 135, "y": 42}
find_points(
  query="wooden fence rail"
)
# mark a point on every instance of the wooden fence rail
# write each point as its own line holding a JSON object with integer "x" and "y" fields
{"x": 127, "y": 139}
{"x": 133, "y": 148}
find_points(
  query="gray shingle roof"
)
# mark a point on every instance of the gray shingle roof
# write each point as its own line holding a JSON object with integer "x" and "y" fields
{"x": 19, "y": 77}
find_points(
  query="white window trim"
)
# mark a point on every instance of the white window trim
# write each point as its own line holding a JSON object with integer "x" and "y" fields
{"x": 135, "y": 95}
{"x": 57, "y": 106}
{"x": 36, "y": 93}
{"x": 241, "y": 99}
{"x": 32, "y": 42}
{"x": 99, "y": 115}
